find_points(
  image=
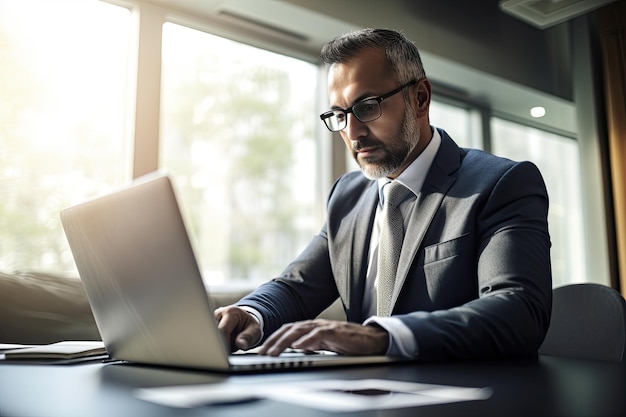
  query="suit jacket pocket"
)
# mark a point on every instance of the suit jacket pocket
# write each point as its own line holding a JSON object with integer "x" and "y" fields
{"x": 447, "y": 249}
{"x": 450, "y": 271}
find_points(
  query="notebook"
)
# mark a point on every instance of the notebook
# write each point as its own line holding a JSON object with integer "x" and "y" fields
{"x": 144, "y": 286}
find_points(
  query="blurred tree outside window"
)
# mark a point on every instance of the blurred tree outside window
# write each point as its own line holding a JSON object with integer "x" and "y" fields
{"x": 237, "y": 133}
{"x": 62, "y": 115}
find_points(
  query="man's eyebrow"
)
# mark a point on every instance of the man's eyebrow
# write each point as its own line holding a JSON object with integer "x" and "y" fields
{"x": 356, "y": 100}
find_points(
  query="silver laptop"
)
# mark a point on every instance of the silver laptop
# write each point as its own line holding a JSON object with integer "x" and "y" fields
{"x": 145, "y": 289}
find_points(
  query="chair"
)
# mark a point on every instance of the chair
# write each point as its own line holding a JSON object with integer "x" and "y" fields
{"x": 588, "y": 322}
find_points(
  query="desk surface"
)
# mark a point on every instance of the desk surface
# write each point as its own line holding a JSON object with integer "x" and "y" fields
{"x": 547, "y": 386}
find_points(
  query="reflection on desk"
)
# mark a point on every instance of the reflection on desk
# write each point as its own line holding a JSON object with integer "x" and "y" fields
{"x": 547, "y": 386}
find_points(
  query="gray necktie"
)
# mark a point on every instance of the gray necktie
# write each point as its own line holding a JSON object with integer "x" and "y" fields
{"x": 389, "y": 245}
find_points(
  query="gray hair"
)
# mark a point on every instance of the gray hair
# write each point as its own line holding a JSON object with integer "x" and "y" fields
{"x": 402, "y": 54}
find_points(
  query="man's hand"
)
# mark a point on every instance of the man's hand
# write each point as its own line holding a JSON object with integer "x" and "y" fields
{"x": 337, "y": 336}
{"x": 239, "y": 327}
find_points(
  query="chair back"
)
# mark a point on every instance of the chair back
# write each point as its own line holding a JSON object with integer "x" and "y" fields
{"x": 588, "y": 322}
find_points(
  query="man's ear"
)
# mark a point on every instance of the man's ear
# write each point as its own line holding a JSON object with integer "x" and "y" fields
{"x": 423, "y": 93}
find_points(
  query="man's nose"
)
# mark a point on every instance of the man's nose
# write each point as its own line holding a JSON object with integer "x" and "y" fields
{"x": 355, "y": 128}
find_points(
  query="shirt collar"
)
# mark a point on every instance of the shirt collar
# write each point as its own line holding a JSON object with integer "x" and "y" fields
{"x": 414, "y": 175}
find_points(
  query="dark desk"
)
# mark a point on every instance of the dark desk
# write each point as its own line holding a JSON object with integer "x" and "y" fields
{"x": 549, "y": 386}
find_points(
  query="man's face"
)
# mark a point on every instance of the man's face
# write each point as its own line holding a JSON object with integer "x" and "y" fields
{"x": 383, "y": 147}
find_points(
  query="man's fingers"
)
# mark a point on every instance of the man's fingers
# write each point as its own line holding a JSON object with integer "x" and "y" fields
{"x": 238, "y": 327}
{"x": 284, "y": 337}
{"x": 340, "y": 337}
{"x": 292, "y": 335}
{"x": 248, "y": 337}
{"x": 315, "y": 339}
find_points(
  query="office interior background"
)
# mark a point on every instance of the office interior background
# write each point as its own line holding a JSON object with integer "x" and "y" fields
{"x": 225, "y": 95}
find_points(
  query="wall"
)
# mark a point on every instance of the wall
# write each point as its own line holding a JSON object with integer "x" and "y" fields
{"x": 472, "y": 33}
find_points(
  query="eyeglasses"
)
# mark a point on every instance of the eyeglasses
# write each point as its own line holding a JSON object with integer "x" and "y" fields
{"x": 365, "y": 111}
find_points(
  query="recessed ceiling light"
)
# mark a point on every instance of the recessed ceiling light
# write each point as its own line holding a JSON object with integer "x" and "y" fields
{"x": 538, "y": 111}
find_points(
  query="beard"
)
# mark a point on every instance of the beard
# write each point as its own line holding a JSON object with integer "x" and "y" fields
{"x": 395, "y": 153}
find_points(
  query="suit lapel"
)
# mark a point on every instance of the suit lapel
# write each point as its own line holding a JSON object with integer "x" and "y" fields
{"x": 436, "y": 185}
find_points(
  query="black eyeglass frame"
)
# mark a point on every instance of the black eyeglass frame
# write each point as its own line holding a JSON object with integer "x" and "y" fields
{"x": 330, "y": 113}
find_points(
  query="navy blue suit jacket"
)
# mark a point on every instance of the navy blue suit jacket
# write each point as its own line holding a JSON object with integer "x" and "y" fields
{"x": 475, "y": 264}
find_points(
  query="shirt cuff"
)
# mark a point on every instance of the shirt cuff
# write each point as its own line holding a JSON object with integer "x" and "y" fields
{"x": 401, "y": 340}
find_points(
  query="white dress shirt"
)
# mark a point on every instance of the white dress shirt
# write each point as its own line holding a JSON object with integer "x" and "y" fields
{"x": 401, "y": 340}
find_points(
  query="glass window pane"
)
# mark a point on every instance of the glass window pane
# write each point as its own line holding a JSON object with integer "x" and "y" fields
{"x": 63, "y": 70}
{"x": 456, "y": 121}
{"x": 557, "y": 159}
{"x": 237, "y": 134}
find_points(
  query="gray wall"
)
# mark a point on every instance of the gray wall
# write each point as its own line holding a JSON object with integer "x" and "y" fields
{"x": 475, "y": 33}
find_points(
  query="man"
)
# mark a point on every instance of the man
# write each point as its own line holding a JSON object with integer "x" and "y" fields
{"x": 473, "y": 278}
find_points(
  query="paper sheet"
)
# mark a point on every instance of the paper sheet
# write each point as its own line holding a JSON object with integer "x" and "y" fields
{"x": 329, "y": 395}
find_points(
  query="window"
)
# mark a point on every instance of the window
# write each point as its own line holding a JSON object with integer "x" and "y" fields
{"x": 237, "y": 134}
{"x": 62, "y": 114}
{"x": 237, "y": 127}
{"x": 463, "y": 125}
{"x": 557, "y": 159}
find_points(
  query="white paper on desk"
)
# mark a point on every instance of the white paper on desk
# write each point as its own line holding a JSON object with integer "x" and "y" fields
{"x": 11, "y": 346}
{"x": 329, "y": 395}
{"x": 373, "y": 394}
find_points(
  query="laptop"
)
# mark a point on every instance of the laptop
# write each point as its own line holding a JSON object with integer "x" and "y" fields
{"x": 144, "y": 286}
